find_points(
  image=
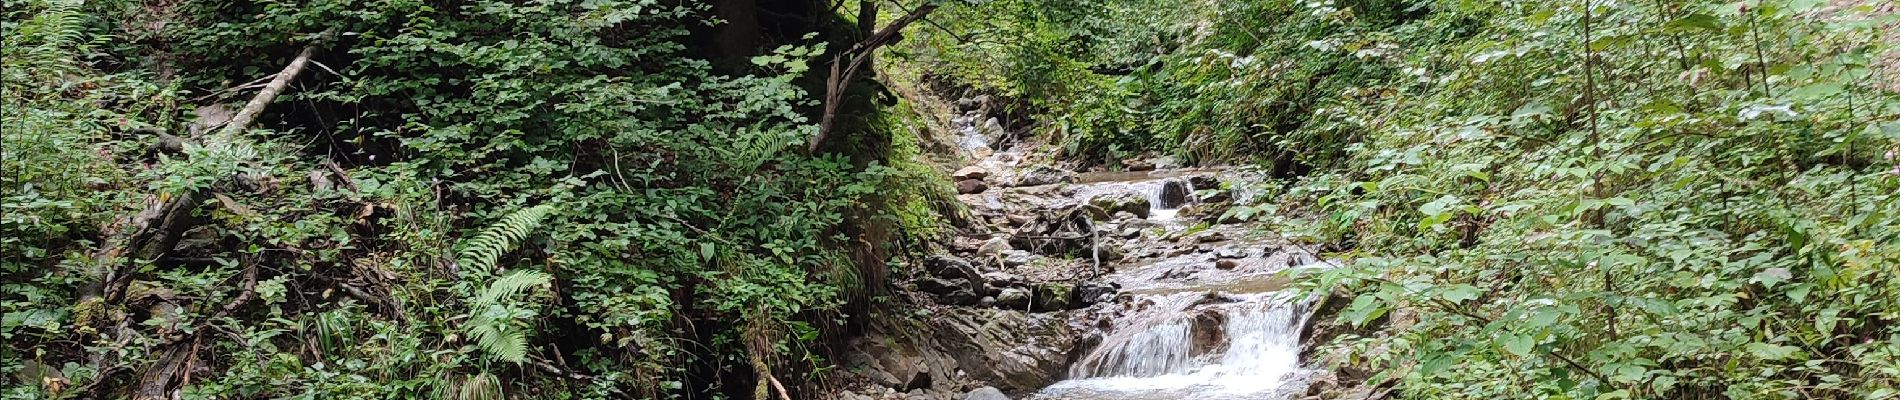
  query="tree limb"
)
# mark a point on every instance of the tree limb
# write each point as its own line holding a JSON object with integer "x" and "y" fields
{"x": 856, "y": 56}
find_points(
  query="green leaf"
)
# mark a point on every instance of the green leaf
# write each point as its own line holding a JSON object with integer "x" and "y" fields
{"x": 1518, "y": 344}
{"x": 1460, "y": 293}
{"x": 1769, "y": 351}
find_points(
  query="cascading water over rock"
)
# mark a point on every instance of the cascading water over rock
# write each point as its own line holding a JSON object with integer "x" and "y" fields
{"x": 1194, "y": 344}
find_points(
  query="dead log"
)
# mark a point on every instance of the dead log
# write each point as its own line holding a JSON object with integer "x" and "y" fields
{"x": 157, "y": 229}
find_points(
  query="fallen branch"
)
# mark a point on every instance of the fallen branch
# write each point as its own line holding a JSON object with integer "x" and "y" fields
{"x": 249, "y": 113}
{"x": 155, "y": 230}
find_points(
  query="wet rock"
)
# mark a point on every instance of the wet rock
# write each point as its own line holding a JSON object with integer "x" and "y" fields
{"x": 1096, "y": 292}
{"x": 1013, "y": 298}
{"x": 1131, "y": 203}
{"x": 1001, "y": 279}
{"x": 971, "y": 186}
{"x": 1226, "y": 264}
{"x": 1174, "y": 194}
{"x": 1136, "y": 164}
{"x": 985, "y": 393}
{"x": 1230, "y": 252}
{"x": 919, "y": 378}
{"x": 1204, "y": 181}
{"x": 1044, "y": 175}
{"x": 1215, "y": 196}
{"x": 1018, "y": 258}
{"x": 1107, "y": 254}
{"x": 1177, "y": 251}
{"x": 1208, "y": 237}
{"x": 1054, "y": 297}
{"x": 941, "y": 286}
{"x": 962, "y": 297}
{"x": 992, "y": 129}
{"x": 1208, "y": 332}
{"x": 994, "y": 246}
{"x": 971, "y": 172}
{"x": 973, "y": 103}
{"x": 948, "y": 266}
{"x": 1167, "y": 162}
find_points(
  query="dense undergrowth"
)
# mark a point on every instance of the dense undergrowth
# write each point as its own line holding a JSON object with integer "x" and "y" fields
{"x": 473, "y": 200}
{"x": 1530, "y": 199}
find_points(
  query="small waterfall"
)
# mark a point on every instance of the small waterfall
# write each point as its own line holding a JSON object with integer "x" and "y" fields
{"x": 1167, "y": 197}
{"x": 1243, "y": 344}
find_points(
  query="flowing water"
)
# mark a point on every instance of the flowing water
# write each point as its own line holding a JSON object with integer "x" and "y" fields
{"x": 1201, "y": 313}
{"x": 1193, "y": 330}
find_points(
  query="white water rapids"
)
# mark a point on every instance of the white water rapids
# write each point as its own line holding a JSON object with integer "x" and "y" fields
{"x": 1211, "y": 335}
{"x": 1250, "y": 350}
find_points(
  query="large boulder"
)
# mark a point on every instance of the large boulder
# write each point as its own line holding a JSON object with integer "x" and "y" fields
{"x": 948, "y": 266}
{"x": 1174, "y": 194}
{"x": 941, "y": 286}
{"x": 962, "y": 297}
{"x": 1010, "y": 350}
{"x": 971, "y": 186}
{"x": 985, "y": 393}
{"x": 1122, "y": 202}
{"x": 1092, "y": 292}
{"x": 1013, "y": 298}
{"x": 1208, "y": 331}
{"x": 993, "y": 246}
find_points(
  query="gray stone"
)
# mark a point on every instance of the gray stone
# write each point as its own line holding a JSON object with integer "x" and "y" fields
{"x": 1011, "y": 350}
{"x": 971, "y": 172}
{"x": 962, "y": 297}
{"x": 971, "y": 186}
{"x": 1166, "y": 162}
{"x": 1002, "y": 279}
{"x": 993, "y": 246}
{"x": 1013, "y": 298}
{"x": 985, "y": 393}
{"x": 1137, "y": 164}
{"x": 935, "y": 285}
{"x": 1018, "y": 258}
{"x": 1044, "y": 175}
{"x": 1095, "y": 292}
{"x": 1226, "y": 264}
{"x": 1122, "y": 202}
{"x": 1230, "y": 252}
{"x": 1204, "y": 181}
{"x": 1209, "y": 237}
{"x": 948, "y": 266}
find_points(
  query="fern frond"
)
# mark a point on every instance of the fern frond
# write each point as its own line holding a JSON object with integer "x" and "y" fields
{"x": 509, "y": 285}
{"x": 498, "y": 340}
{"x": 481, "y": 254}
{"x": 482, "y": 386}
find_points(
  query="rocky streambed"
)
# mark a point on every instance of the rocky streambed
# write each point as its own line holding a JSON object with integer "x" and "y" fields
{"x": 1123, "y": 284}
